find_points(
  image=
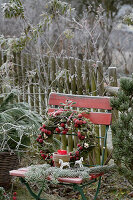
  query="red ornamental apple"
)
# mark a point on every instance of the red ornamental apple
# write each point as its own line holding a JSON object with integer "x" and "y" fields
{"x": 74, "y": 119}
{"x": 77, "y": 121}
{"x": 76, "y": 125}
{"x": 80, "y": 115}
{"x": 37, "y": 139}
{"x": 82, "y": 137}
{"x": 40, "y": 128}
{"x": 41, "y": 141}
{"x": 66, "y": 129}
{"x": 64, "y": 132}
{"x": 57, "y": 130}
{"x": 79, "y": 136}
{"x": 78, "y": 145}
{"x": 84, "y": 122}
{"x": 62, "y": 125}
{"x": 44, "y": 156}
{"x": 49, "y": 132}
{"x": 71, "y": 157}
{"x": 77, "y": 153}
{"x": 79, "y": 133}
{"x": 44, "y": 126}
{"x": 77, "y": 158}
{"x": 81, "y": 148}
{"x": 15, "y": 193}
{"x": 45, "y": 131}
{"x": 39, "y": 136}
{"x": 80, "y": 122}
{"x": 14, "y": 198}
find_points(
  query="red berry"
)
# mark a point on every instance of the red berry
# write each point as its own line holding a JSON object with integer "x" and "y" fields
{"x": 39, "y": 136}
{"x": 79, "y": 133}
{"x": 41, "y": 151}
{"x": 51, "y": 157}
{"x": 81, "y": 148}
{"x": 57, "y": 130}
{"x": 66, "y": 129}
{"x": 76, "y": 125}
{"x": 77, "y": 158}
{"x": 80, "y": 122}
{"x": 70, "y": 154}
{"x": 37, "y": 139}
{"x": 14, "y": 198}
{"x": 44, "y": 126}
{"x": 62, "y": 125}
{"x": 78, "y": 145}
{"x": 40, "y": 128}
{"x": 71, "y": 157}
{"x": 64, "y": 132}
{"x": 79, "y": 136}
{"x": 49, "y": 133}
{"x": 45, "y": 131}
{"x": 44, "y": 156}
{"x": 84, "y": 122}
{"x": 82, "y": 137}
{"x": 80, "y": 115}
{"x": 77, "y": 121}
{"x": 40, "y": 140}
{"x": 15, "y": 193}
{"x": 74, "y": 119}
{"x": 77, "y": 153}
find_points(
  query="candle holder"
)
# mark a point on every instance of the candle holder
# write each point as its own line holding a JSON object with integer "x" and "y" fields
{"x": 60, "y": 154}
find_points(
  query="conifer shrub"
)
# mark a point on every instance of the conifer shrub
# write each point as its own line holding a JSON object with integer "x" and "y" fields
{"x": 122, "y": 129}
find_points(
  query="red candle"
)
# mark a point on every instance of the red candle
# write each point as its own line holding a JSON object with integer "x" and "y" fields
{"x": 62, "y": 152}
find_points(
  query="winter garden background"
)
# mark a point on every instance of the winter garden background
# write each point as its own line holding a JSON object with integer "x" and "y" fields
{"x": 78, "y": 47}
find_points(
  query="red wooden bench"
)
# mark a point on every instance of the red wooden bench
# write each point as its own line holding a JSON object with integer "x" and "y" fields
{"x": 100, "y": 118}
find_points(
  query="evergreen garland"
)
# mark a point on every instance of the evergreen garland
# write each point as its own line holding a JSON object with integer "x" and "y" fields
{"x": 39, "y": 173}
{"x": 123, "y": 129}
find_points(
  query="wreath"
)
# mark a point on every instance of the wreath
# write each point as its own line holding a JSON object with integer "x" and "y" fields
{"x": 66, "y": 122}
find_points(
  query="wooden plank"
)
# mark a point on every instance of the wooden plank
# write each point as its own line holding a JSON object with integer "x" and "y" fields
{"x": 82, "y": 101}
{"x": 95, "y": 117}
{"x": 79, "y": 76}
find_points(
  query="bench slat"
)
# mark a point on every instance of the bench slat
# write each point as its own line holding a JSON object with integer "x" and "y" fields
{"x": 82, "y": 101}
{"x": 21, "y": 173}
{"x": 95, "y": 117}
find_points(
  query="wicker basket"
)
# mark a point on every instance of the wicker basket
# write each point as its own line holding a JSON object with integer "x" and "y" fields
{"x": 8, "y": 162}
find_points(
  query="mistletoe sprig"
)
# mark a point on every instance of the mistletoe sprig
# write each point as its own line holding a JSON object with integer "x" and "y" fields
{"x": 67, "y": 122}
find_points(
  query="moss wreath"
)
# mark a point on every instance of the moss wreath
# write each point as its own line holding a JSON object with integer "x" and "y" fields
{"x": 66, "y": 122}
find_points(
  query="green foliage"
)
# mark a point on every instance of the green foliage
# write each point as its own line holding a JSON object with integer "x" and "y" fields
{"x": 17, "y": 124}
{"x": 123, "y": 129}
{"x": 128, "y": 19}
{"x": 13, "y": 9}
{"x": 57, "y": 7}
{"x": 3, "y": 195}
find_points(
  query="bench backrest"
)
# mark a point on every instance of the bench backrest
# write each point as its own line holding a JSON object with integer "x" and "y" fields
{"x": 84, "y": 101}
